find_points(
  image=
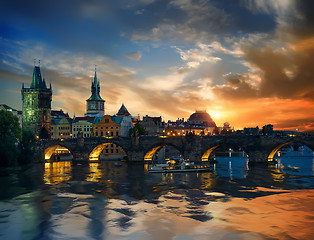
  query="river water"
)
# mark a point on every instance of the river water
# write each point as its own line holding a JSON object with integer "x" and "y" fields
{"x": 63, "y": 200}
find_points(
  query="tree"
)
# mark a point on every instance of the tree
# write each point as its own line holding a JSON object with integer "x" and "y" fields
{"x": 137, "y": 130}
{"x": 10, "y": 136}
{"x": 27, "y": 147}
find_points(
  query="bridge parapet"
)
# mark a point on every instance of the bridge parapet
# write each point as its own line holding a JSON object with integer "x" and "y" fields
{"x": 258, "y": 148}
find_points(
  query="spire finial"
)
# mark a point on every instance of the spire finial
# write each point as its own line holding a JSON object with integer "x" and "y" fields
{"x": 39, "y": 63}
{"x": 95, "y": 67}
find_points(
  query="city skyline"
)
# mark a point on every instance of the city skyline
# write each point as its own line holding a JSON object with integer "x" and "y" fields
{"x": 246, "y": 62}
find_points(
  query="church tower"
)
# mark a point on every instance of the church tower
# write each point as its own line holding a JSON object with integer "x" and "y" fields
{"x": 95, "y": 105}
{"x": 36, "y": 110}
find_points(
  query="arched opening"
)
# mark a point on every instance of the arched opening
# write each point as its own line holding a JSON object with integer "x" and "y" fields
{"x": 231, "y": 160}
{"x": 295, "y": 159}
{"x": 162, "y": 152}
{"x": 57, "y": 153}
{"x": 274, "y": 151}
{"x": 208, "y": 152}
{"x": 107, "y": 151}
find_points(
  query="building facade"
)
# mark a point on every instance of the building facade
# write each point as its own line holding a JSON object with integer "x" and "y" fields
{"x": 112, "y": 126}
{"x": 153, "y": 125}
{"x": 84, "y": 125}
{"x": 106, "y": 127}
{"x": 61, "y": 128}
{"x": 95, "y": 105}
{"x": 36, "y": 110}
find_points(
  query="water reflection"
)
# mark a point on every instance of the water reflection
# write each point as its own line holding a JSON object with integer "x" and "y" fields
{"x": 56, "y": 172}
{"x": 104, "y": 200}
{"x": 95, "y": 173}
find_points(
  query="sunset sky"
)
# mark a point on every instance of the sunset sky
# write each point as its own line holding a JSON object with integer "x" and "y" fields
{"x": 248, "y": 62}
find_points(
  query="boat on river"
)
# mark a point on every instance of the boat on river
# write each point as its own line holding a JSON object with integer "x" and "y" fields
{"x": 177, "y": 166}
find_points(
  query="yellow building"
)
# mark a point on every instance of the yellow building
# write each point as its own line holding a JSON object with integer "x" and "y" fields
{"x": 108, "y": 126}
{"x": 84, "y": 125}
{"x": 61, "y": 128}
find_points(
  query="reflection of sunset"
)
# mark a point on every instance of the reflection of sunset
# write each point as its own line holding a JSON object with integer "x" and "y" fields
{"x": 274, "y": 216}
{"x": 57, "y": 172}
{"x": 280, "y": 216}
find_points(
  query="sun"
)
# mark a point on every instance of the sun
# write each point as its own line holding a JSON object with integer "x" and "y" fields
{"x": 215, "y": 115}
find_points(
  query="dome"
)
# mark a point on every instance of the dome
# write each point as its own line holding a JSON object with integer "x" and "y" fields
{"x": 201, "y": 118}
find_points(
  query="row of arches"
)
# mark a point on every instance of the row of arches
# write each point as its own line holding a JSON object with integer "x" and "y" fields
{"x": 54, "y": 152}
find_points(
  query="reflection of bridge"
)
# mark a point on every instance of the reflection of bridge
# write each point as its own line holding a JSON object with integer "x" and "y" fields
{"x": 195, "y": 148}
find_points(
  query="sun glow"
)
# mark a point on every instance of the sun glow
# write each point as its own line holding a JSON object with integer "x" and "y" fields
{"x": 215, "y": 114}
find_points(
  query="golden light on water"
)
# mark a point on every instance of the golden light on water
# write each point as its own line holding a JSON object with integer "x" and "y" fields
{"x": 94, "y": 172}
{"x": 57, "y": 172}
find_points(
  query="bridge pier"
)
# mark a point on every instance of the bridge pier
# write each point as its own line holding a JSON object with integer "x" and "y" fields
{"x": 80, "y": 156}
{"x": 258, "y": 156}
{"x": 135, "y": 156}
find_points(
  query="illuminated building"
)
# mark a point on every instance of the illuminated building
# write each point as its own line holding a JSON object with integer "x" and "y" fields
{"x": 84, "y": 125}
{"x": 36, "y": 110}
{"x": 110, "y": 127}
{"x": 199, "y": 123}
{"x": 95, "y": 105}
{"x": 61, "y": 128}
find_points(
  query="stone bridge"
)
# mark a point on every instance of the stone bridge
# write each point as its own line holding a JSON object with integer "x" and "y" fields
{"x": 196, "y": 148}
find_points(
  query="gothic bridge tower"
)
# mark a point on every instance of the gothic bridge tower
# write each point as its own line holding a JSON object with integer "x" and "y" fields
{"x": 95, "y": 105}
{"x": 37, "y": 106}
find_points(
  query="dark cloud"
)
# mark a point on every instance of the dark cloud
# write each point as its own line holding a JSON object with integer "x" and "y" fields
{"x": 285, "y": 75}
{"x": 9, "y": 76}
{"x": 303, "y": 26}
{"x": 236, "y": 87}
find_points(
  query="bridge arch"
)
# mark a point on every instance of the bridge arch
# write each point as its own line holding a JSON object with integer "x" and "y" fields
{"x": 229, "y": 144}
{"x": 55, "y": 149}
{"x": 207, "y": 153}
{"x": 151, "y": 152}
{"x": 276, "y": 149}
{"x": 97, "y": 149}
